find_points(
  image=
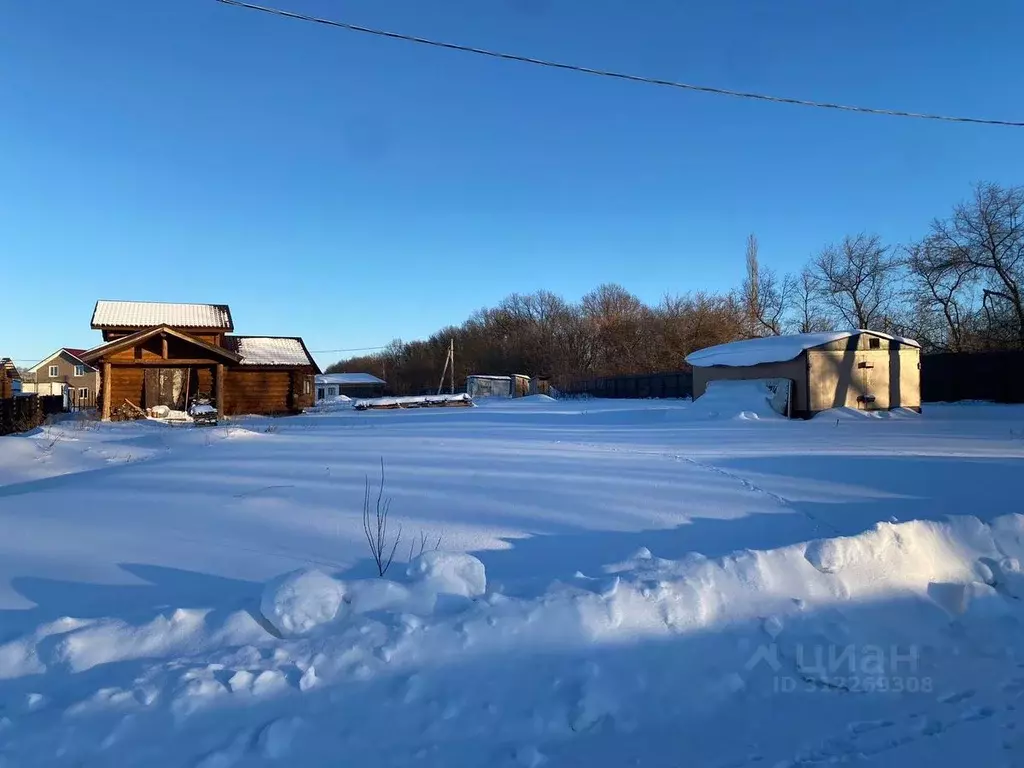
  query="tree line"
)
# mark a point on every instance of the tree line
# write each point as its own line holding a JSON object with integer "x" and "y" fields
{"x": 959, "y": 288}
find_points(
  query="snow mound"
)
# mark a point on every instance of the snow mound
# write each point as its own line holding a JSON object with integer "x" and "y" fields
{"x": 298, "y": 602}
{"x": 744, "y": 400}
{"x": 536, "y": 399}
{"x": 907, "y": 555}
{"x": 449, "y": 573}
{"x": 854, "y": 414}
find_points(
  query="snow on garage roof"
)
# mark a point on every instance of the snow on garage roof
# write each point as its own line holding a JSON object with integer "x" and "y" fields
{"x": 144, "y": 314}
{"x": 269, "y": 350}
{"x": 774, "y": 349}
{"x": 348, "y": 378}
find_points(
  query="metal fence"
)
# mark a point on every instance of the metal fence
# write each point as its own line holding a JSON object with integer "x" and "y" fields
{"x": 952, "y": 376}
{"x": 643, "y": 385}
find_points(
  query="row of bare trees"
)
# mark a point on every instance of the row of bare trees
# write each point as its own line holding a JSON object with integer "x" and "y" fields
{"x": 959, "y": 288}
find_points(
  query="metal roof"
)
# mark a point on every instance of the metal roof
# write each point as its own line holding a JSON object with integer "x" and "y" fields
{"x": 348, "y": 378}
{"x": 144, "y": 314}
{"x": 775, "y": 349}
{"x": 269, "y": 350}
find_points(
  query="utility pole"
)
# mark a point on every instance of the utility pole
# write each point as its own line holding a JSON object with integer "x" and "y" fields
{"x": 449, "y": 359}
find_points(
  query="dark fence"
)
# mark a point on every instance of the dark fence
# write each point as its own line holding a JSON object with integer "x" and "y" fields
{"x": 952, "y": 376}
{"x": 20, "y": 414}
{"x": 81, "y": 401}
{"x": 642, "y": 385}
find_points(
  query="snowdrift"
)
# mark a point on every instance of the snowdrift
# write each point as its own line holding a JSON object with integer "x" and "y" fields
{"x": 748, "y": 400}
{"x": 572, "y": 671}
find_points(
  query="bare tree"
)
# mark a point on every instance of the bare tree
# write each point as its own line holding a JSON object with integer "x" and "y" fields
{"x": 375, "y": 526}
{"x": 807, "y": 315}
{"x": 941, "y": 295}
{"x": 765, "y": 296}
{"x": 751, "y": 289}
{"x": 984, "y": 240}
{"x": 857, "y": 281}
{"x": 619, "y": 322}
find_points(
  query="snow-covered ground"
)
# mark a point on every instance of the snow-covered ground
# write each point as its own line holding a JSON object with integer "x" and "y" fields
{"x": 647, "y": 583}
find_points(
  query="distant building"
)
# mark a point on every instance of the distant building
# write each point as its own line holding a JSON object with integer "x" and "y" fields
{"x": 516, "y": 385}
{"x": 10, "y": 378}
{"x": 354, "y": 385}
{"x": 65, "y": 374}
{"x": 866, "y": 370}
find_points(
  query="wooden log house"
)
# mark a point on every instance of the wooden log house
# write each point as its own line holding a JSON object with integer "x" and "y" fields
{"x": 164, "y": 354}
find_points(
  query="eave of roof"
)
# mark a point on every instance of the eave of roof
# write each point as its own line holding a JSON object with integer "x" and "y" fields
{"x": 127, "y": 341}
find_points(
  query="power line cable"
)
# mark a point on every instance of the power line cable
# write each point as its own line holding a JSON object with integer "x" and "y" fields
{"x": 617, "y": 75}
{"x": 351, "y": 349}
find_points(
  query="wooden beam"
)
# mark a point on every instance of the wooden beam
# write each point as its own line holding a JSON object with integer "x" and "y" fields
{"x": 219, "y": 385}
{"x": 173, "y": 362}
{"x": 106, "y": 392}
{"x": 163, "y": 345}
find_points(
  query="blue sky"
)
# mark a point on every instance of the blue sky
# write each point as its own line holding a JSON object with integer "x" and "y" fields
{"x": 353, "y": 190}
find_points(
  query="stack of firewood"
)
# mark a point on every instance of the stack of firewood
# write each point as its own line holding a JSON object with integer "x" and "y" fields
{"x": 127, "y": 411}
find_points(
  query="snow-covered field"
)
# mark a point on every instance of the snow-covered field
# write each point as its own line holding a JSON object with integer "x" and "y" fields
{"x": 650, "y": 583}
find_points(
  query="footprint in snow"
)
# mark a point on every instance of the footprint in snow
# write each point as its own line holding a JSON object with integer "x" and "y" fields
{"x": 957, "y": 697}
{"x": 930, "y": 727}
{"x": 977, "y": 713}
{"x": 1014, "y": 686}
{"x": 866, "y": 726}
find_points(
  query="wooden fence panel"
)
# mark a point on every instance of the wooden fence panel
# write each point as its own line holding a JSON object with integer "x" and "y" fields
{"x": 644, "y": 385}
{"x": 20, "y": 414}
{"x": 953, "y": 376}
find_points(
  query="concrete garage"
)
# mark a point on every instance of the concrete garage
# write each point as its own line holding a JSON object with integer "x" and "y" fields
{"x": 866, "y": 370}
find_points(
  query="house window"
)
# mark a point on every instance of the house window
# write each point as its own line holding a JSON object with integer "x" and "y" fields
{"x": 83, "y": 394}
{"x": 320, "y": 393}
{"x": 307, "y": 386}
{"x": 79, "y": 370}
{"x": 54, "y": 371}
{"x": 874, "y": 343}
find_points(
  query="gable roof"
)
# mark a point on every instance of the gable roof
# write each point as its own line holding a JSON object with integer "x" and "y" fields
{"x": 145, "y": 314}
{"x": 348, "y": 378}
{"x": 271, "y": 350}
{"x": 94, "y": 354}
{"x": 775, "y": 349}
{"x": 73, "y": 352}
{"x": 8, "y": 368}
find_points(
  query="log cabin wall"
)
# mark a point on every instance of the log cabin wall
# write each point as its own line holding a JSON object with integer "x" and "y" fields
{"x": 257, "y": 390}
{"x": 126, "y": 383}
{"x": 249, "y": 389}
{"x": 304, "y": 383}
{"x": 166, "y": 365}
{"x": 246, "y": 391}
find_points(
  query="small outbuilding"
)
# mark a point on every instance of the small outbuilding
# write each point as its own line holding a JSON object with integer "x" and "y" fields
{"x": 354, "y": 385}
{"x": 866, "y": 370}
{"x": 514, "y": 385}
